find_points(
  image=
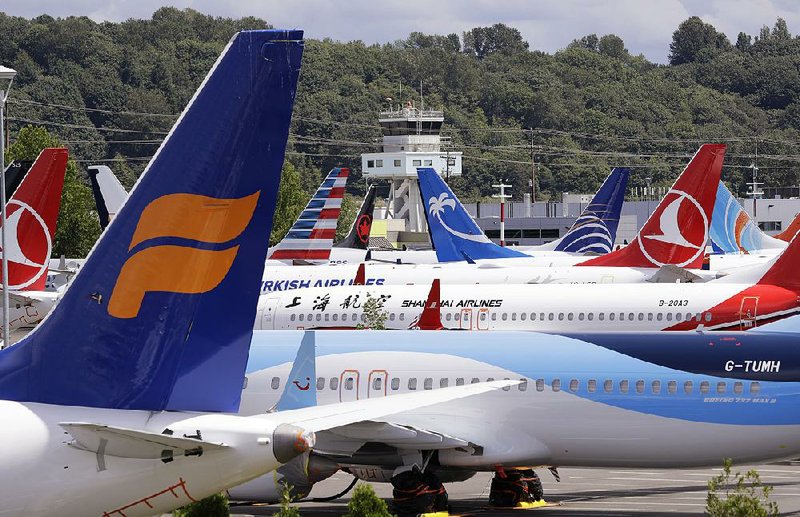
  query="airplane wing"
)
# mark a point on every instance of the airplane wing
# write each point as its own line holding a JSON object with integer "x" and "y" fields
{"x": 670, "y": 273}
{"x": 131, "y": 443}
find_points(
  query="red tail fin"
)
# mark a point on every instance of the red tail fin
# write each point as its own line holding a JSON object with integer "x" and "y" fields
{"x": 361, "y": 275}
{"x": 431, "y": 317}
{"x": 789, "y": 233}
{"x": 784, "y": 272}
{"x": 32, "y": 214}
{"x": 677, "y": 231}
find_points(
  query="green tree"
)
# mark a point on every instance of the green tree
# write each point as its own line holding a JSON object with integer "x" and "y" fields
{"x": 365, "y": 503}
{"x": 287, "y": 510}
{"x": 346, "y": 217}
{"x": 692, "y": 37}
{"x": 499, "y": 38}
{"x": 291, "y": 201}
{"x": 213, "y": 506}
{"x": 374, "y": 314}
{"x": 739, "y": 495}
{"x": 612, "y": 45}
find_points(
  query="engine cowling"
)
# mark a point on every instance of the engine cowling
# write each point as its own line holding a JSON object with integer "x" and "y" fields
{"x": 301, "y": 473}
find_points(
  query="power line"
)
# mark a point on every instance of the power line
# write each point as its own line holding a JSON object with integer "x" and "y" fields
{"x": 93, "y": 110}
{"x": 76, "y": 126}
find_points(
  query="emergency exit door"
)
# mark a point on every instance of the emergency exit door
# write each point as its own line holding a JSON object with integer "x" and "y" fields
{"x": 748, "y": 312}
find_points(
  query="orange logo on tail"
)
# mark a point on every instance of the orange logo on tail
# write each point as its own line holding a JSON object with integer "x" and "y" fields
{"x": 180, "y": 269}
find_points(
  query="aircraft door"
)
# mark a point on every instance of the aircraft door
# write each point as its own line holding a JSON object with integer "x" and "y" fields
{"x": 483, "y": 319}
{"x": 268, "y": 314}
{"x": 465, "y": 323}
{"x": 377, "y": 383}
{"x": 348, "y": 386}
{"x": 748, "y": 312}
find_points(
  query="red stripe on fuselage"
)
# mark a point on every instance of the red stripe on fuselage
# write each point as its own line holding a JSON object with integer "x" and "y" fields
{"x": 285, "y": 254}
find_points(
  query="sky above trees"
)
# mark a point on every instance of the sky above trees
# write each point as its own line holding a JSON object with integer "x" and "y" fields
{"x": 646, "y": 26}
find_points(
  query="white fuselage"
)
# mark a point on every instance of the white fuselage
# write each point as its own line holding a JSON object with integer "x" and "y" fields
{"x": 42, "y": 474}
{"x": 27, "y": 315}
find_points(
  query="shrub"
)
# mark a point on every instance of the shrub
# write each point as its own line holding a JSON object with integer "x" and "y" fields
{"x": 741, "y": 495}
{"x": 365, "y": 503}
{"x": 213, "y": 506}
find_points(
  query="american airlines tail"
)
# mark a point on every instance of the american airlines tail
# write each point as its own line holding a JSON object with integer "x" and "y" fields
{"x": 732, "y": 229}
{"x": 31, "y": 221}
{"x": 358, "y": 236}
{"x": 148, "y": 322}
{"x": 677, "y": 231}
{"x": 109, "y": 194}
{"x": 311, "y": 237}
{"x": 454, "y": 233}
{"x": 596, "y": 229}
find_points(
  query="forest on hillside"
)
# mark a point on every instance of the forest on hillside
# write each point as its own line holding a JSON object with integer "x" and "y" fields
{"x": 111, "y": 91}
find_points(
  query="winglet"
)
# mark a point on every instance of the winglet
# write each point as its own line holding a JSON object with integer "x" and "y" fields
{"x": 677, "y": 231}
{"x": 431, "y": 317}
{"x": 361, "y": 275}
{"x": 301, "y": 390}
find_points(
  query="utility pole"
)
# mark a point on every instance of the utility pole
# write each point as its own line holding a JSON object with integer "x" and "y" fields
{"x": 533, "y": 168}
{"x": 502, "y": 197}
{"x": 6, "y": 74}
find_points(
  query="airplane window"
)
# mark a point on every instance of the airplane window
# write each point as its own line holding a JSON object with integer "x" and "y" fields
{"x": 611, "y": 316}
{"x": 601, "y": 316}
{"x": 523, "y": 316}
{"x": 320, "y": 383}
{"x": 334, "y": 383}
{"x": 641, "y": 316}
{"x": 689, "y": 316}
{"x": 489, "y": 379}
{"x": 391, "y": 317}
{"x": 722, "y": 387}
{"x": 506, "y": 388}
{"x": 447, "y": 316}
{"x": 377, "y": 383}
{"x": 276, "y": 383}
{"x": 640, "y": 386}
{"x": 364, "y": 318}
{"x": 428, "y": 384}
{"x": 483, "y": 316}
{"x": 460, "y": 381}
{"x": 590, "y": 316}
{"x": 494, "y": 316}
{"x": 292, "y": 317}
{"x": 623, "y": 386}
{"x": 708, "y": 316}
{"x": 533, "y": 316}
{"x": 569, "y": 316}
{"x": 649, "y": 316}
{"x": 513, "y": 316}
{"x": 704, "y": 387}
{"x": 541, "y": 316}
{"x": 688, "y": 387}
{"x": 244, "y": 384}
{"x": 669, "y": 316}
{"x": 755, "y": 387}
{"x": 475, "y": 380}
{"x": 539, "y": 384}
{"x": 738, "y": 388}
{"x": 444, "y": 382}
{"x": 395, "y": 383}
{"x": 672, "y": 387}
{"x": 550, "y": 316}
{"x": 573, "y": 385}
{"x": 699, "y": 316}
{"x": 348, "y": 383}
{"x": 523, "y": 385}
{"x": 556, "y": 385}
{"x": 608, "y": 385}
{"x": 319, "y": 317}
{"x": 580, "y": 316}
{"x": 457, "y": 316}
{"x": 656, "y": 387}
{"x": 327, "y": 316}
{"x": 630, "y": 316}
{"x": 592, "y": 385}
{"x": 301, "y": 317}
{"x": 402, "y": 316}
{"x": 412, "y": 383}
{"x": 336, "y": 317}
{"x": 505, "y": 316}
{"x": 560, "y": 316}
{"x": 659, "y": 316}
{"x": 355, "y": 317}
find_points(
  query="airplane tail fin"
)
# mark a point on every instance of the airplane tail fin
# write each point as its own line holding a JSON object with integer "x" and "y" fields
{"x": 32, "y": 215}
{"x": 361, "y": 275}
{"x": 15, "y": 171}
{"x": 311, "y": 237}
{"x": 453, "y": 231}
{"x": 793, "y": 229}
{"x": 783, "y": 271}
{"x": 677, "y": 231}
{"x": 732, "y": 229}
{"x": 431, "y": 316}
{"x": 148, "y": 323}
{"x": 301, "y": 390}
{"x": 596, "y": 229}
{"x": 108, "y": 192}
{"x": 358, "y": 236}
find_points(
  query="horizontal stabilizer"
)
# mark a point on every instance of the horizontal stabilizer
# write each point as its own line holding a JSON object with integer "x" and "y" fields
{"x": 670, "y": 273}
{"x": 130, "y": 443}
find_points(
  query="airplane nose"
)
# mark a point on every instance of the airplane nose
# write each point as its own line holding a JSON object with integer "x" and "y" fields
{"x": 289, "y": 441}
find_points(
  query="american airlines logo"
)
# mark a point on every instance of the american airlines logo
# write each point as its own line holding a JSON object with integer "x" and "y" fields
{"x": 180, "y": 268}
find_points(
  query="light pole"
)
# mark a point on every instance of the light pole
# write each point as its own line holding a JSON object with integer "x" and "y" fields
{"x": 502, "y": 197}
{"x": 6, "y": 74}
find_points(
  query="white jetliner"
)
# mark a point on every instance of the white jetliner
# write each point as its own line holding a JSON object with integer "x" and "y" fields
{"x": 112, "y": 405}
{"x": 109, "y": 194}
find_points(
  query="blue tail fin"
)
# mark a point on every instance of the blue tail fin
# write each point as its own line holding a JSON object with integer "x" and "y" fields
{"x": 453, "y": 231}
{"x": 596, "y": 229}
{"x": 161, "y": 315}
{"x": 301, "y": 390}
{"x": 732, "y": 229}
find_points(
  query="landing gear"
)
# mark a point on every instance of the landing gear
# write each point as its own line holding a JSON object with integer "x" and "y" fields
{"x": 417, "y": 492}
{"x": 514, "y": 488}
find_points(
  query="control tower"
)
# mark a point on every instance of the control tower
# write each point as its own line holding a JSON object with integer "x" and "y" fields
{"x": 411, "y": 139}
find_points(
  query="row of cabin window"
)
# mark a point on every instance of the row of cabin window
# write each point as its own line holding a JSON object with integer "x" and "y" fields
{"x": 623, "y": 386}
{"x": 601, "y": 316}
{"x": 398, "y": 163}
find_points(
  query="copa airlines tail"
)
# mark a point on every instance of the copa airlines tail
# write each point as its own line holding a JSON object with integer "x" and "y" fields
{"x": 109, "y": 194}
{"x": 139, "y": 326}
{"x": 677, "y": 231}
{"x": 596, "y": 229}
{"x": 31, "y": 221}
{"x": 732, "y": 229}
{"x": 311, "y": 237}
{"x": 454, "y": 233}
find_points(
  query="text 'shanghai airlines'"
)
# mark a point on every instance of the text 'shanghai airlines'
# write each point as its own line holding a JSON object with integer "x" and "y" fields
{"x": 120, "y": 401}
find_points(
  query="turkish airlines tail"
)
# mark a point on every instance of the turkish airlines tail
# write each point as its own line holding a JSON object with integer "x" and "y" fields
{"x": 789, "y": 233}
{"x": 677, "y": 231}
{"x": 32, "y": 214}
{"x": 311, "y": 237}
